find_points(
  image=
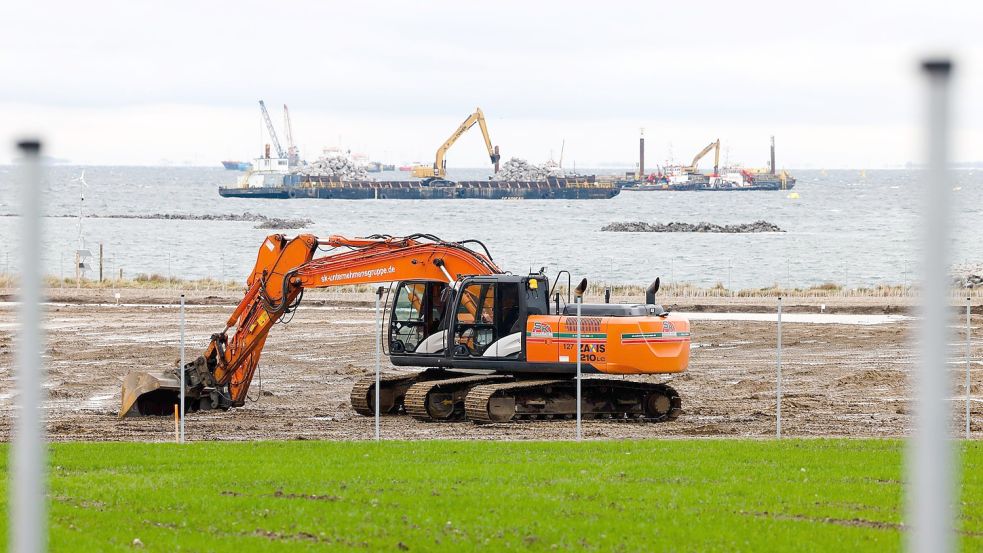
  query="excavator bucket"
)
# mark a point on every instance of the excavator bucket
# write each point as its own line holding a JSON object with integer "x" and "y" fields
{"x": 147, "y": 393}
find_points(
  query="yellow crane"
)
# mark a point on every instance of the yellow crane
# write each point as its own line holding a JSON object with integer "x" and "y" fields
{"x": 439, "y": 168}
{"x": 716, "y": 157}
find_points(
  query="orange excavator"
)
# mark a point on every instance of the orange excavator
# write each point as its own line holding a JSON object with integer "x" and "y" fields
{"x": 494, "y": 346}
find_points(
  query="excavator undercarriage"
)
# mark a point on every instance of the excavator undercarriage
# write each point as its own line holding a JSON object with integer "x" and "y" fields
{"x": 450, "y": 396}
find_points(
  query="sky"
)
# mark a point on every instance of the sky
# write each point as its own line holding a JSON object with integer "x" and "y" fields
{"x": 148, "y": 83}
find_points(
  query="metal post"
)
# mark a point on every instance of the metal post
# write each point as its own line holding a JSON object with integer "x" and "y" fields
{"x": 968, "y": 347}
{"x": 788, "y": 273}
{"x": 100, "y": 262}
{"x": 182, "y": 368}
{"x": 778, "y": 376}
{"x": 579, "y": 300}
{"x": 929, "y": 457}
{"x": 27, "y": 509}
{"x": 378, "y": 356}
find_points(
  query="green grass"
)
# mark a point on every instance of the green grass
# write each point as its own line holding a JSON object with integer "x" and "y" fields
{"x": 681, "y": 495}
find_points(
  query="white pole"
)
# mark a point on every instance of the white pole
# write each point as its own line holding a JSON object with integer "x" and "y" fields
{"x": 182, "y": 368}
{"x": 778, "y": 376}
{"x": 579, "y": 434}
{"x": 968, "y": 354}
{"x": 729, "y": 266}
{"x": 929, "y": 457}
{"x": 27, "y": 512}
{"x": 378, "y": 357}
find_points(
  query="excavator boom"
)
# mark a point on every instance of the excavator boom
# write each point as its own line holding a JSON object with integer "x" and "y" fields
{"x": 715, "y": 145}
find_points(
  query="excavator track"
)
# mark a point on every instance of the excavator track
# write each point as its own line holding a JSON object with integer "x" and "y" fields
{"x": 623, "y": 400}
{"x": 394, "y": 387}
{"x": 363, "y": 392}
{"x": 443, "y": 400}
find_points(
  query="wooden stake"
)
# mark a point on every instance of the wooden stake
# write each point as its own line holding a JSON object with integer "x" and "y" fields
{"x": 177, "y": 434}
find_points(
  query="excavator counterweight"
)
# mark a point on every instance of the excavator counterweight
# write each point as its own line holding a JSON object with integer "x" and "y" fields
{"x": 453, "y": 310}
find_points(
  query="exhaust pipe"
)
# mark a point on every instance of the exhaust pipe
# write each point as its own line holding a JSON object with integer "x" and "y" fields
{"x": 651, "y": 291}
{"x": 580, "y": 289}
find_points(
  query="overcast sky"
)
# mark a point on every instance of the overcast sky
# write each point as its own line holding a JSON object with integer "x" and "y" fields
{"x": 148, "y": 82}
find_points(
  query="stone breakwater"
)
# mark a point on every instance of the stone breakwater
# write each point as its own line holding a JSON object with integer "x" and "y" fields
{"x": 639, "y": 226}
{"x": 967, "y": 275}
{"x": 264, "y": 221}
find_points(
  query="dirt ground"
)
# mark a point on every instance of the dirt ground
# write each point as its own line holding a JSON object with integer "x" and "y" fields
{"x": 838, "y": 379}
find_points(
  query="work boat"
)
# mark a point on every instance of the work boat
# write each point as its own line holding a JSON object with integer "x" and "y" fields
{"x": 266, "y": 172}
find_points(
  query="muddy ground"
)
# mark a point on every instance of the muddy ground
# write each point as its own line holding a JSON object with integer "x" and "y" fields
{"x": 839, "y": 379}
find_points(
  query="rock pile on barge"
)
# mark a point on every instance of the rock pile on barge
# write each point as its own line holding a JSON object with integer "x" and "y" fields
{"x": 517, "y": 169}
{"x": 338, "y": 166}
{"x": 640, "y": 226}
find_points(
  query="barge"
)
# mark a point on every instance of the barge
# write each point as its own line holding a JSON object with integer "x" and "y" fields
{"x": 298, "y": 186}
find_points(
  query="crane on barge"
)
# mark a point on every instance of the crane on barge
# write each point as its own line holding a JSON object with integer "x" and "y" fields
{"x": 438, "y": 171}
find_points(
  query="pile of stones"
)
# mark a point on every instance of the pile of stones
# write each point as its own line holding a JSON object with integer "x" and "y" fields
{"x": 968, "y": 275}
{"x": 517, "y": 169}
{"x": 338, "y": 165}
{"x": 639, "y": 226}
{"x": 277, "y": 223}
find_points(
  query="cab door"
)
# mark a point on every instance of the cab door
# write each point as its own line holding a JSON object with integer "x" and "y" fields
{"x": 415, "y": 318}
{"x": 474, "y": 319}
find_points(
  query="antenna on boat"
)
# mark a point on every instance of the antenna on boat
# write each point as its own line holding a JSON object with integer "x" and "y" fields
{"x": 82, "y": 186}
{"x": 81, "y": 254}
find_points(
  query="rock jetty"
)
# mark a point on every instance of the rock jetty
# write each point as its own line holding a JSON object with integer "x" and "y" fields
{"x": 276, "y": 223}
{"x": 264, "y": 221}
{"x": 968, "y": 275}
{"x": 639, "y": 226}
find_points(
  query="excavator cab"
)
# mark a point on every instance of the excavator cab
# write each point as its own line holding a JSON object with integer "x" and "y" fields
{"x": 482, "y": 317}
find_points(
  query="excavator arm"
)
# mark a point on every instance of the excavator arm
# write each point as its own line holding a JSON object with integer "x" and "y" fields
{"x": 715, "y": 145}
{"x": 285, "y": 267}
{"x": 439, "y": 169}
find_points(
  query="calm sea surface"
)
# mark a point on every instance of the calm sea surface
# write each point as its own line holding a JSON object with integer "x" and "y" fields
{"x": 845, "y": 227}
